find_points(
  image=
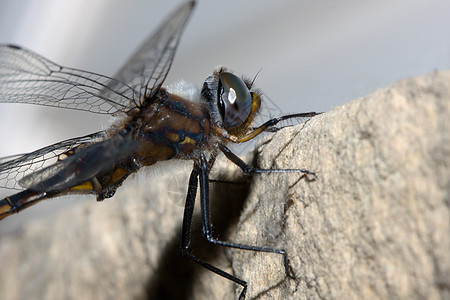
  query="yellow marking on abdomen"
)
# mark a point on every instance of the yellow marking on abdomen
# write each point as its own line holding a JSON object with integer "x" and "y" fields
{"x": 87, "y": 185}
{"x": 118, "y": 174}
{"x": 5, "y": 208}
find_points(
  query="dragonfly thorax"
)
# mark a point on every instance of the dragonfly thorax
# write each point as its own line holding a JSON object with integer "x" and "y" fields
{"x": 171, "y": 127}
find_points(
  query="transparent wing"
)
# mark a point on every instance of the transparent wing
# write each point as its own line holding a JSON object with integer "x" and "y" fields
{"x": 147, "y": 69}
{"x": 26, "y": 77}
{"x": 81, "y": 164}
{"x": 14, "y": 168}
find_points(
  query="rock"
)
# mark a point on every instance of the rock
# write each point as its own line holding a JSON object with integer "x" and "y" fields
{"x": 374, "y": 224}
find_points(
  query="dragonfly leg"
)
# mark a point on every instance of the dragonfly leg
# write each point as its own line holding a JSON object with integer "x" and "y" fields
{"x": 250, "y": 170}
{"x": 208, "y": 232}
{"x": 186, "y": 232}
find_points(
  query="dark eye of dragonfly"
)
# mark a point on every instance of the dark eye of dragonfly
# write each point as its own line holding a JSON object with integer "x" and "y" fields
{"x": 234, "y": 100}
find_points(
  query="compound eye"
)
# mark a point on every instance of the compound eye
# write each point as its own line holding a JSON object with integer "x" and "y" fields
{"x": 234, "y": 100}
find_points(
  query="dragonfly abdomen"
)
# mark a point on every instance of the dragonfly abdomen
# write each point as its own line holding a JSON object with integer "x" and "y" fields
{"x": 17, "y": 202}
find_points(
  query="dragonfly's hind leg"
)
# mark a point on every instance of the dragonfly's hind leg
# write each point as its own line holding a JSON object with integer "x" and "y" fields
{"x": 186, "y": 231}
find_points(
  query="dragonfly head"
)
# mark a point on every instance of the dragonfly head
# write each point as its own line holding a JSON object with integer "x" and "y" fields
{"x": 232, "y": 103}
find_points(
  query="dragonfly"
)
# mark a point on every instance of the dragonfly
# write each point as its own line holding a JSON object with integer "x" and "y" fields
{"x": 152, "y": 124}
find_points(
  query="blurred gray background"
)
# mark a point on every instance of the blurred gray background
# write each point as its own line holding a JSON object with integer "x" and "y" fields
{"x": 314, "y": 55}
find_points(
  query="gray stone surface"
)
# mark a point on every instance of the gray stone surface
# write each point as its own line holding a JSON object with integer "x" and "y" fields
{"x": 373, "y": 225}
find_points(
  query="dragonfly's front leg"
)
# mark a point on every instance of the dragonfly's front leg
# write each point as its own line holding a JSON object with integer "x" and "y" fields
{"x": 250, "y": 170}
